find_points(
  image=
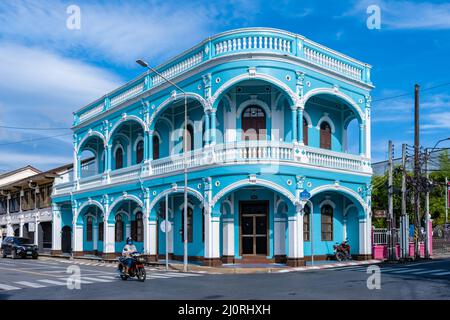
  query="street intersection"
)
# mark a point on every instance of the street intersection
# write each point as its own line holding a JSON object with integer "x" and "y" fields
{"x": 47, "y": 279}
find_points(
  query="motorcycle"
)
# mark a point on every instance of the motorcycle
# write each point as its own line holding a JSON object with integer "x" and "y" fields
{"x": 342, "y": 251}
{"x": 137, "y": 268}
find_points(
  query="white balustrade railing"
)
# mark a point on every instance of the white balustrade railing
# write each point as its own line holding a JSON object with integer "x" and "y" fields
{"x": 330, "y": 159}
{"x": 231, "y": 43}
{"x": 332, "y": 63}
{"x": 92, "y": 112}
{"x": 228, "y": 153}
{"x": 126, "y": 174}
{"x": 253, "y": 42}
{"x": 128, "y": 94}
{"x": 178, "y": 68}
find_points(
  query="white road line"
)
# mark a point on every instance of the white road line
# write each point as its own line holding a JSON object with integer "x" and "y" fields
{"x": 58, "y": 283}
{"x": 182, "y": 274}
{"x": 158, "y": 276}
{"x": 428, "y": 271}
{"x": 7, "y": 288}
{"x": 441, "y": 273}
{"x": 96, "y": 279}
{"x": 108, "y": 277}
{"x": 406, "y": 271}
{"x": 30, "y": 284}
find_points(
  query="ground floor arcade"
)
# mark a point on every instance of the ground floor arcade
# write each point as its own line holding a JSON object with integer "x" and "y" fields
{"x": 249, "y": 220}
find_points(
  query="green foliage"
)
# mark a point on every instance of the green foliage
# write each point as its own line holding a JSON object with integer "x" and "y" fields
{"x": 437, "y": 195}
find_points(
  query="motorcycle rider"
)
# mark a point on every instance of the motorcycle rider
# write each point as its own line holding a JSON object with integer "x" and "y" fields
{"x": 128, "y": 249}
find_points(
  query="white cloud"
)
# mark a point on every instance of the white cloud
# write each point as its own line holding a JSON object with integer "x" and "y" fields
{"x": 121, "y": 32}
{"x": 407, "y": 14}
{"x": 46, "y": 86}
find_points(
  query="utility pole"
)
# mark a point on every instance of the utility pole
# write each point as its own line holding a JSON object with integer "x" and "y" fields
{"x": 416, "y": 173}
{"x": 391, "y": 252}
{"x": 427, "y": 208}
{"x": 446, "y": 200}
{"x": 404, "y": 241}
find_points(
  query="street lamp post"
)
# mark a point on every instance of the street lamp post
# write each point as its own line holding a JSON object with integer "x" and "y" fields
{"x": 185, "y": 233}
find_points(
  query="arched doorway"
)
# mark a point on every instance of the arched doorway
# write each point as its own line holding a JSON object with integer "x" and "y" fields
{"x": 253, "y": 123}
{"x": 66, "y": 239}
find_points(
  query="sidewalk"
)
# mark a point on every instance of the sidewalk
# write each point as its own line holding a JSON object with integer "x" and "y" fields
{"x": 268, "y": 268}
{"x": 230, "y": 268}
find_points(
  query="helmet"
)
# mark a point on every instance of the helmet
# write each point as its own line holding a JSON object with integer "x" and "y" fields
{"x": 129, "y": 240}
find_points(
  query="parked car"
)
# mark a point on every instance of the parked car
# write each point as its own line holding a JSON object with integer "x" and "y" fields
{"x": 18, "y": 247}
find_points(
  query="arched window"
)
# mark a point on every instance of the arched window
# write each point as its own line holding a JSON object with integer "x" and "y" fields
{"x": 253, "y": 123}
{"x": 140, "y": 152}
{"x": 306, "y": 224}
{"x": 137, "y": 228}
{"x": 327, "y": 222}
{"x": 325, "y": 135}
{"x": 305, "y": 132}
{"x": 119, "y": 158}
{"x": 155, "y": 142}
{"x": 89, "y": 229}
{"x": 119, "y": 229}
{"x": 190, "y": 225}
{"x": 190, "y": 138}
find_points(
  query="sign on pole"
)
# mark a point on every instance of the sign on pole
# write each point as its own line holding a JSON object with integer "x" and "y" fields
{"x": 379, "y": 213}
{"x": 305, "y": 195}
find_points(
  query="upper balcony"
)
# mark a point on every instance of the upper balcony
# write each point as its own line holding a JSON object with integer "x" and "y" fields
{"x": 233, "y": 43}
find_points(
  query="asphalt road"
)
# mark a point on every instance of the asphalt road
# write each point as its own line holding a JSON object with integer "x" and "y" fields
{"x": 46, "y": 279}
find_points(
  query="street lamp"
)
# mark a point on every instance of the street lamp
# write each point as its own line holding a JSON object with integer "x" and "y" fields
{"x": 427, "y": 197}
{"x": 185, "y": 233}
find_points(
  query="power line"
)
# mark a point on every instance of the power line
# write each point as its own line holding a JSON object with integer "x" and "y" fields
{"x": 32, "y": 140}
{"x": 407, "y": 94}
{"x": 32, "y": 128}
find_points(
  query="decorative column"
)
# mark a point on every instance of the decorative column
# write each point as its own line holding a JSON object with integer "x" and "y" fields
{"x": 77, "y": 232}
{"x": 368, "y": 127}
{"x": 212, "y": 237}
{"x": 207, "y": 129}
{"x": 294, "y": 125}
{"x": 95, "y": 238}
{"x": 36, "y": 231}
{"x": 213, "y": 127}
{"x": 152, "y": 230}
{"x": 295, "y": 229}
{"x": 361, "y": 139}
{"x": 56, "y": 230}
{"x": 300, "y": 125}
{"x": 228, "y": 240}
{"x": 364, "y": 239}
{"x": 76, "y": 163}
{"x": 280, "y": 239}
{"x": 21, "y": 224}
{"x": 108, "y": 231}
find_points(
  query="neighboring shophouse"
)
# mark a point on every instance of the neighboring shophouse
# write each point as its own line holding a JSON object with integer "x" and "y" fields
{"x": 25, "y": 204}
{"x": 269, "y": 120}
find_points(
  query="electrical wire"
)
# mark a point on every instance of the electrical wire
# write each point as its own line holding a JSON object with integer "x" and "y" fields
{"x": 407, "y": 94}
{"x": 32, "y": 140}
{"x": 32, "y": 128}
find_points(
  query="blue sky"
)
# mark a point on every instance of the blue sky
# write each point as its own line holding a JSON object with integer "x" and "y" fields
{"x": 48, "y": 71}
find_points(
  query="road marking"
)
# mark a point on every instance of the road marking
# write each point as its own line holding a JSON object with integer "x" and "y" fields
{"x": 441, "y": 273}
{"x": 428, "y": 271}
{"x": 171, "y": 274}
{"x": 58, "y": 283}
{"x": 96, "y": 279}
{"x": 406, "y": 270}
{"x": 108, "y": 277}
{"x": 30, "y": 284}
{"x": 7, "y": 288}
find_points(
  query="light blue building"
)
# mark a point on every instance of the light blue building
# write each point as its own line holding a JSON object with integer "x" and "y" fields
{"x": 270, "y": 115}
